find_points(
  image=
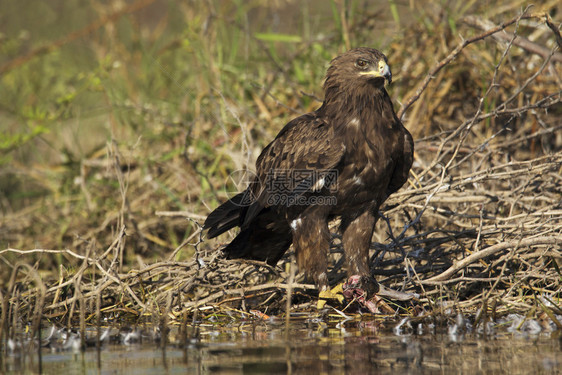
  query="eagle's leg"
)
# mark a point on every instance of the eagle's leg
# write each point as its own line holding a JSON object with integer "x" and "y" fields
{"x": 356, "y": 240}
{"x": 311, "y": 239}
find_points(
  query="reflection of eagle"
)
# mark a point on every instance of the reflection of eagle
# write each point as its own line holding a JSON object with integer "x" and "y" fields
{"x": 343, "y": 159}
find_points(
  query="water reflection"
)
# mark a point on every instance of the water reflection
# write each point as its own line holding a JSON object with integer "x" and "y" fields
{"x": 320, "y": 348}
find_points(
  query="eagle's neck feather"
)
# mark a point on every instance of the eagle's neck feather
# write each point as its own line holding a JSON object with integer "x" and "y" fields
{"x": 366, "y": 105}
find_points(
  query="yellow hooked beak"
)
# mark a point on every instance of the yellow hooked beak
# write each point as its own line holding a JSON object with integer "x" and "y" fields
{"x": 382, "y": 71}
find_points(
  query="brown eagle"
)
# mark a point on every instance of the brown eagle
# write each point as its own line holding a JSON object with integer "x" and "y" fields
{"x": 342, "y": 160}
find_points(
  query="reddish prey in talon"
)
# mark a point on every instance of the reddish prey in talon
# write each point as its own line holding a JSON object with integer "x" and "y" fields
{"x": 341, "y": 161}
{"x": 361, "y": 289}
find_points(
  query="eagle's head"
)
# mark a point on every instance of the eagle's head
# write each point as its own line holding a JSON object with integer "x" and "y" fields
{"x": 358, "y": 69}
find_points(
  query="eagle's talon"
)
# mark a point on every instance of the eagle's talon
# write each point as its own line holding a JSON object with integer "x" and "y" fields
{"x": 334, "y": 293}
{"x": 363, "y": 289}
{"x": 360, "y": 286}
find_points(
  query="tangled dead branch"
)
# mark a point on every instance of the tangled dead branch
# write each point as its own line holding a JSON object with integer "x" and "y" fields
{"x": 481, "y": 219}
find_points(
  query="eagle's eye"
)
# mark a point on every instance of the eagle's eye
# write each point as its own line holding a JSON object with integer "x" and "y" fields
{"x": 361, "y": 63}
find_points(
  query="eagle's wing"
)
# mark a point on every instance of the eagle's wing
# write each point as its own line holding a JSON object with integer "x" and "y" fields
{"x": 301, "y": 159}
{"x": 403, "y": 165}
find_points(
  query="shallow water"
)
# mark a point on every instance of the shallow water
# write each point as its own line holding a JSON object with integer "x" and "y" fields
{"x": 309, "y": 347}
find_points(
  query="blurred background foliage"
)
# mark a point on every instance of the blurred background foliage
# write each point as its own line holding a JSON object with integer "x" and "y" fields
{"x": 112, "y": 112}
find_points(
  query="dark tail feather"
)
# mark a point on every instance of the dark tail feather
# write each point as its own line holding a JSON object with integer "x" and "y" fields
{"x": 227, "y": 215}
{"x": 264, "y": 236}
{"x": 263, "y": 240}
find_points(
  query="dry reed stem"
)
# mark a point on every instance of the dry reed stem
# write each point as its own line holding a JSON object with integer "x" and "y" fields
{"x": 444, "y": 62}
